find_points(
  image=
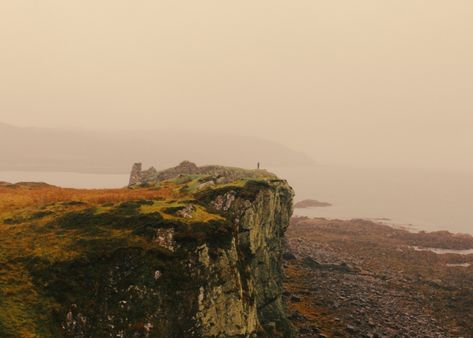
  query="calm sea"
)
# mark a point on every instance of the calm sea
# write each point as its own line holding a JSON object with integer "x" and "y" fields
{"x": 428, "y": 200}
{"x": 423, "y": 200}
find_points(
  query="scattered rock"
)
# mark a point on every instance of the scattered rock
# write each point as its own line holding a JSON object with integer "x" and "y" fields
{"x": 186, "y": 212}
{"x": 165, "y": 238}
{"x": 354, "y": 272}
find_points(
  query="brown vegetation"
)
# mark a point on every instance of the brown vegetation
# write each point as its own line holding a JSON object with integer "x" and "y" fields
{"x": 32, "y": 194}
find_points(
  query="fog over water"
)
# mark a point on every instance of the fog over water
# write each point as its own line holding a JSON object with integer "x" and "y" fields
{"x": 363, "y": 82}
{"x": 426, "y": 199}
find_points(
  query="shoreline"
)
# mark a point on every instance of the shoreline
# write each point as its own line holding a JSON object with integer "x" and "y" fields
{"x": 445, "y": 240}
{"x": 411, "y": 227}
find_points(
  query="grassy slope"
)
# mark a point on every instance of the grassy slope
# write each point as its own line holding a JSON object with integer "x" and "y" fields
{"x": 42, "y": 225}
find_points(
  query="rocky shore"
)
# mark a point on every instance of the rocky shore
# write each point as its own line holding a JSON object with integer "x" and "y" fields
{"x": 362, "y": 279}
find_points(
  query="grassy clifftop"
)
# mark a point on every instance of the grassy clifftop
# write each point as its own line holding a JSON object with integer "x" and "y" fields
{"x": 64, "y": 252}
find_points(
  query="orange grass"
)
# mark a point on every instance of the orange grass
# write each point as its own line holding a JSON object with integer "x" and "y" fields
{"x": 22, "y": 196}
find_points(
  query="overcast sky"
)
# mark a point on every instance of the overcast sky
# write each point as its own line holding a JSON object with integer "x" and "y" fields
{"x": 378, "y": 82}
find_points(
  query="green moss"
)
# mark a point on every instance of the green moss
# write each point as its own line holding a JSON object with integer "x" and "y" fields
{"x": 247, "y": 190}
{"x": 184, "y": 179}
{"x": 118, "y": 283}
{"x": 173, "y": 210}
{"x": 18, "y": 219}
{"x": 122, "y": 217}
{"x": 159, "y": 206}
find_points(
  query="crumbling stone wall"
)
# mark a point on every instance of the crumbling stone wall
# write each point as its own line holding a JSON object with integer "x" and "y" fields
{"x": 138, "y": 176}
{"x": 220, "y": 173}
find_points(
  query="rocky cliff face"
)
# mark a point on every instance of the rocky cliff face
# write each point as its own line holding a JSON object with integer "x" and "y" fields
{"x": 260, "y": 218}
{"x": 199, "y": 263}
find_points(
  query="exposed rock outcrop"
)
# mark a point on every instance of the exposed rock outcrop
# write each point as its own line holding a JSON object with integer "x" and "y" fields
{"x": 260, "y": 221}
{"x": 226, "y": 286}
{"x": 201, "y": 264}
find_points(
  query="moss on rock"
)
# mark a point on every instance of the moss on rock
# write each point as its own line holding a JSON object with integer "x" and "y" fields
{"x": 137, "y": 267}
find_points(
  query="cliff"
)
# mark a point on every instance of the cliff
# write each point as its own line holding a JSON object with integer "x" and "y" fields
{"x": 182, "y": 259}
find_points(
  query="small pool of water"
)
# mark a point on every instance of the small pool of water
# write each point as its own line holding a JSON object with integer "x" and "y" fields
{"x": 460, "y": 265}
{"x": 444, "y": 251}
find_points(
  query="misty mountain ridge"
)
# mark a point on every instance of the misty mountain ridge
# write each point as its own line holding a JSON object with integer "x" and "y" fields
{"x": 52, "y": 149}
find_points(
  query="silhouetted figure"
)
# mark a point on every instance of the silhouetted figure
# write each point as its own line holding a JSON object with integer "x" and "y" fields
{"x": 258, "y": 165}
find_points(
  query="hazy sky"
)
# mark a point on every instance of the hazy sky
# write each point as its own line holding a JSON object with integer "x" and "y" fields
{"x": 369, "y": 81}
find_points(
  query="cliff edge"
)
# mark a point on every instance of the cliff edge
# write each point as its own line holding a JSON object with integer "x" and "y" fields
{"x": 185, "y": 258}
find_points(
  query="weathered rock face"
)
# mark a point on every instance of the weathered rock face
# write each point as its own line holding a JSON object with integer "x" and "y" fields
{"x": 226, "y": 286}
{"x": 256, "y": 251}
{"x": 178, "y": 278}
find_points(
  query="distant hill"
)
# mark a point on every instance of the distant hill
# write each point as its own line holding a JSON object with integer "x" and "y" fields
{"x": 311, "y": 204}
{"x": 43, "y": 149}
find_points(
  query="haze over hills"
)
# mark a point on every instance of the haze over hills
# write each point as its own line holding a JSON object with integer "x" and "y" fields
{"x": 44, "y": 149}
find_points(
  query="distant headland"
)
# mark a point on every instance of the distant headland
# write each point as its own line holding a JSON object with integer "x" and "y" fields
{"x": 310, "y": 203}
